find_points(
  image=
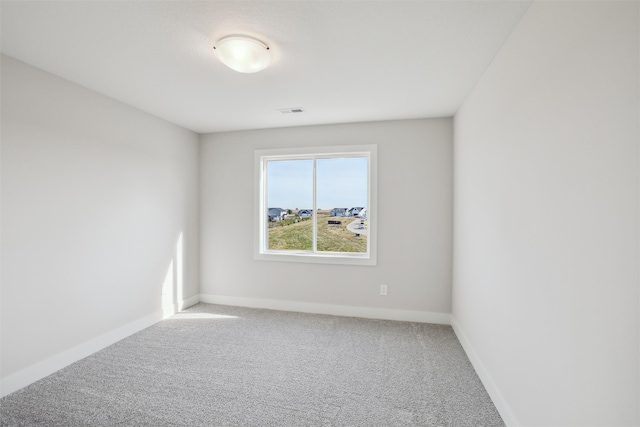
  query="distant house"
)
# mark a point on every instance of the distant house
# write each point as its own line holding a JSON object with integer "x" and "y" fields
{"x": 338, "y": 212}
{"x": 354, "y": 211}
{"x": 363, "y": 213}
{"x": 276, "y": 214}
{"x": 305, "y": 213}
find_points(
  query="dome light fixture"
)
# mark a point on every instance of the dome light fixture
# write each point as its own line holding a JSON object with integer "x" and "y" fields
{"x": 242, "y": 53}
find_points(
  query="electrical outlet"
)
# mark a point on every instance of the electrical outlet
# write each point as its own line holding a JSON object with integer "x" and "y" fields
{"x": 383, "y": 289}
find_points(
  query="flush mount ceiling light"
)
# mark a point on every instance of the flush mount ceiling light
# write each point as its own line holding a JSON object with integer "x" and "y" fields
{"x": 243, "y": 54}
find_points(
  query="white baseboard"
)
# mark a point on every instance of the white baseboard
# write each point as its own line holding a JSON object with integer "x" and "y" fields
{"x": 496, "y": 396}
{"x": 189, "y": 302}
{"x": 336, "y": 310}
{"x": 170, "y": 310}
{"x": 47, "y": 367}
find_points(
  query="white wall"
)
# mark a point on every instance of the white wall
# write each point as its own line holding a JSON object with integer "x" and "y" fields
{"x": 95, "y": 196}
{"x": 414, "y": 250}
{"x": 545, "y": 292}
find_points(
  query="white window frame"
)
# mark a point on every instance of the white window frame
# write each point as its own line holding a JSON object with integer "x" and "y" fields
{"x": 261, "y": 252}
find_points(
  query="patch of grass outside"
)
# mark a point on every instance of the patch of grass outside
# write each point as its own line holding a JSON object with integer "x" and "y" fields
{"x": 294, "y": 236}
{"x": 288, "y": 221}
{"x": 331, "y": 238}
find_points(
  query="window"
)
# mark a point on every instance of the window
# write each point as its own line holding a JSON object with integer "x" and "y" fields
{"x": 316, "y": 204}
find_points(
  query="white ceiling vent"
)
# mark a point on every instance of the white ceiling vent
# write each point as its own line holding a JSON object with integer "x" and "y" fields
{"x": 291, "y": 110}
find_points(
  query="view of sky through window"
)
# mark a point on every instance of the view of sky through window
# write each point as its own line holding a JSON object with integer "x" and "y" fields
{"x": 341, "y": 183}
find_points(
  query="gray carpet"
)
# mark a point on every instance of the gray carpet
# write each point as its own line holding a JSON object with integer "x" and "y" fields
{"x": 213, "y": 365}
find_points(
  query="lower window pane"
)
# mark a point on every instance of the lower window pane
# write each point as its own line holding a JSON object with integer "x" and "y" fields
{"x": 341, "y": 190}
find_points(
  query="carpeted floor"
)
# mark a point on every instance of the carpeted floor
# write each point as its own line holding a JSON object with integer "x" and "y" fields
{"x": 213, "y": 365}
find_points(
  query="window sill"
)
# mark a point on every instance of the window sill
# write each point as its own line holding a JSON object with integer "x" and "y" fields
{"x": 329, "y": 258}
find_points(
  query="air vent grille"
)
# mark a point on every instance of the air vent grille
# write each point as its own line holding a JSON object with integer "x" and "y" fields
{"x": 294, "y": 110}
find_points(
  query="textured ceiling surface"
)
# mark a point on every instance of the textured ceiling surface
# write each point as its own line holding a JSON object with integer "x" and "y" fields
{"x": 342, "y": 61}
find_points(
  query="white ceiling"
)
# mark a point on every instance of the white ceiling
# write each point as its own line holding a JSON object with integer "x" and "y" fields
{"x": 343, "y": 61}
